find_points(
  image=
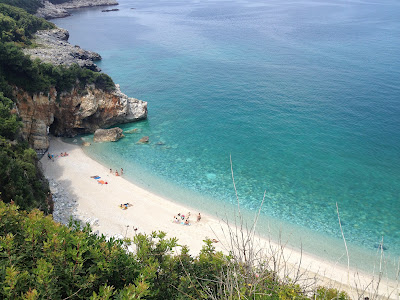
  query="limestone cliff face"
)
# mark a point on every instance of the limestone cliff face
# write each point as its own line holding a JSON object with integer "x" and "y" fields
{"x": 76, "y": 112}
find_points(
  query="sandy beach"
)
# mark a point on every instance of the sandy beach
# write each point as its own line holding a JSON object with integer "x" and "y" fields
{"x": 150, "y": 212}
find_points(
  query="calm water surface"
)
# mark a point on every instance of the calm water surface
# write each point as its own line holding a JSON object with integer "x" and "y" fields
{"x": 304, "y": 95}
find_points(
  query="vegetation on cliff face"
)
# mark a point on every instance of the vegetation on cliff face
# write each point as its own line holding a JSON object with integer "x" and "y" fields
{"x": 30, "y": 6}
{"x": 17, "y": 28}
{"x": 20, "y": 179}
{"x": 42, "y": 259}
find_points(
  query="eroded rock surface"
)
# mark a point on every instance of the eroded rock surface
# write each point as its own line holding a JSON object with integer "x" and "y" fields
{"x": 53, "y": 47}
{"x": 108, "y": 135}
{"x": 76, "y": 112}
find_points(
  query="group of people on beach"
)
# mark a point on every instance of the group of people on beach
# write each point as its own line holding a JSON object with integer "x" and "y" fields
{"x": 116, "y": 172}
{"x": 181, "y": 219}
{"x": 53, "y": 156}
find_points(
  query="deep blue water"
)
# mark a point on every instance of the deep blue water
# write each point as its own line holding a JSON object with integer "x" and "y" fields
{"x": 304, "y": 95}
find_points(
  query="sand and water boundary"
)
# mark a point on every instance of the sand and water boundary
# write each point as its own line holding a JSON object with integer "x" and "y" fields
{"x": 80, "y": 195}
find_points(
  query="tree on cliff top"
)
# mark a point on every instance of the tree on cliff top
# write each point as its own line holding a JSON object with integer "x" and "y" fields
{"x": 30, "y": 6}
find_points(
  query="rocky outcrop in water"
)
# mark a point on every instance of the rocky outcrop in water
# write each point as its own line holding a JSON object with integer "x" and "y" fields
{"x": 53, "y": 47}
{"x": 108, "y": 135}
{"x": 51, "y": 11}
{"x": 75, "y": 112}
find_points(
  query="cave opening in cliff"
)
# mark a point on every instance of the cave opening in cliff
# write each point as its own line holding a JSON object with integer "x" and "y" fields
{"x": 55, "y": 127}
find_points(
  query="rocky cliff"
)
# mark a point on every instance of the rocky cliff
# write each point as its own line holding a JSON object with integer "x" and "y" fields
{"x": 80, "y": 110}
{"x": 53, "y": 47}
{"x": 51, "y": 11}
{"x": 76, "y": 112}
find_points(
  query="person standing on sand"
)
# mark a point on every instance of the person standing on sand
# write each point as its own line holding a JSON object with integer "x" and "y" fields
{"x": 111, "y": 171}
{"x": 122, "y": 171}
{"x": 198, "y": 218}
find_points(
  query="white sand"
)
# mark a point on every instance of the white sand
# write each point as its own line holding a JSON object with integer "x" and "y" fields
{"x": 151, "y": 212}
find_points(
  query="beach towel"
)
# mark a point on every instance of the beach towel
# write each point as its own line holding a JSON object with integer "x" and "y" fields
{"x": 101, "y": 181}
{"x": 97, "y": 177}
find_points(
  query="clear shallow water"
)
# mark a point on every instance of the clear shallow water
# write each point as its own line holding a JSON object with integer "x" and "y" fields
{"x": 305, "y": 96}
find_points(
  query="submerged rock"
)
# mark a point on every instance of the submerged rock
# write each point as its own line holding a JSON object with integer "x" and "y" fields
{"x": 381, "y": 246}
{"x": 86, "y": 144}
{"x": 135, "y": 130}
{"x": 108, "y": 135}
{"x": 143, "y": 140}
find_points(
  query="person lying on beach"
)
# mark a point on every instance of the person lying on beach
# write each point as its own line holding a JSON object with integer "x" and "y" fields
{"x": 123, "y": 206}
{"x": 66, "y": 154}
{"x": 186, "y": 222}
{"x": 176, "y": 220}
{"x": 214, "y": 241}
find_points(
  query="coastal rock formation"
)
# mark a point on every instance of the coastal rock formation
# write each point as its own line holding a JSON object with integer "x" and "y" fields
{"x": 108, "y": 135}
{"x": 51, "y": 11}
{"x": 54, "y": 48}
{"x": 75, "y": 112}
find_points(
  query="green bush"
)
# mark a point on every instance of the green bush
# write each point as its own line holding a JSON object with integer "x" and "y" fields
{"x": 9, "y": 123}
{"x": 43, "y": 259}
{"x": 17, "y": 25}
{"x": 20, "y": 179}
{"x": 31, "y": 6}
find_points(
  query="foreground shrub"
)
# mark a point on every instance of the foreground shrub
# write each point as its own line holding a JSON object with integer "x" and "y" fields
{"x": 43, "y": 259}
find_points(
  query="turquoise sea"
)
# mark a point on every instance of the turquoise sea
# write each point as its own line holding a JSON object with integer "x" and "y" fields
{"x": 304, "y": 95}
